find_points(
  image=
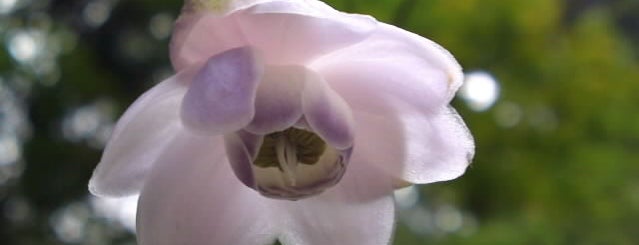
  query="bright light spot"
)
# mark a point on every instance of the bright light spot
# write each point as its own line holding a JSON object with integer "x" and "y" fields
{"x": 480, "y": 90}
{"x": 25, "y": 46}
{"x": 97, "y": 12}
{"x": 448, "y": 219}
{"x": 160, "y": 25}
{"x": 508, "y": 114}
{"x": 92, "y": 123}
{"x": 543, "y": 118}
{"x": 121, "y": 210}
{"x": 419, "y": 220}
{"x": 6, "y": 6}
{"x": 407, "y": 197}
{"x": 70, "y": 222}
{"x": 9, "y": 151}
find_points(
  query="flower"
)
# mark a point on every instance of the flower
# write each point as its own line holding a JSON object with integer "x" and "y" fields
{"x": 286, "y": 120}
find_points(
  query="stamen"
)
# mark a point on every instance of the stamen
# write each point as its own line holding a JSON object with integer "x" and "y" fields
{"x": 287, "y": 158}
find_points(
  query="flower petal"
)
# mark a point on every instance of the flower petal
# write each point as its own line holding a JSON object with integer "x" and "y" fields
{"x": 327, "y": 113}
{"x": 221, "y": 97}
{"x": 278, "y": 103}
{"x": 241, "y": 148}
{"x": 393, "y": 67}
{"x": 296, "y": 32}
{"x": 450, "y": 147}
{"x": 418, "y": 148}
{"x": 139, "y": 137}
{"x": 398, "y": 85}
{"x": 359, "y": 210}
{"x": 198, "y": 36}
{"x": 193, "y": 198}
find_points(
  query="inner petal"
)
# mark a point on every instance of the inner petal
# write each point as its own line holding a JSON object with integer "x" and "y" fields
{"x": 278, "y": 103}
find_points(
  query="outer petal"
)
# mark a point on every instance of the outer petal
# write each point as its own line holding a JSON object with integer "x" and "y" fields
{"x": 287, "y": 31}
{"x": 221, "y": 97}
{"x": 418, "y": 148}
{"x": 278, "y": 103}
{"x": 296, "y": 32}
{"x": 398, "y": 85}
{"x": 393, "y": 67}
{"x": 139, "y": 137}
{"x": 198, "y": 35}
{"x": 359, "y": 210}
{"x": 192, "y": 197}
{"x": 440, "y": 147}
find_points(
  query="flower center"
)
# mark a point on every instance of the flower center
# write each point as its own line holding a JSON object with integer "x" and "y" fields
{"x": 286, "y": 149}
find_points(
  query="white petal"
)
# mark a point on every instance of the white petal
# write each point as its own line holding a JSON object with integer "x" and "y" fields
{"x": 192, "y": 197}
{"x": 296, "y": 32}
{"x": 398, "y": 85}
{"x": 418, "y": 148}
{"x": 288, "y": 32}
{"x": 392, "y": 68}
{"x": 221, "y": 97}
{"x": 327, "y": 113}
{"x": 440, "y": 147}
{"x": 359, "y": 210}
{"x": 139, "y": 137}
{"x": 278, "y": 104}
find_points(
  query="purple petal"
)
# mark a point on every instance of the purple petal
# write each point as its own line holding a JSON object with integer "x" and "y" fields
{"x": 278, "y": 104}
{"x": 191, "y": 197}
{"x": 221, "y": 97}
{"x": 327, "y": 113}
{"x": 139, "y": 137}
{"x": 359, "y": 210}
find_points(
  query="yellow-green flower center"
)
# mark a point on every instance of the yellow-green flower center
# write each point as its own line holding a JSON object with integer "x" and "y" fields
{"x": 286, "y": 149}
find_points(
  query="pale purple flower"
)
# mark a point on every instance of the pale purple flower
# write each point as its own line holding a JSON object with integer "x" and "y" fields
{"x": 286, "y": 120}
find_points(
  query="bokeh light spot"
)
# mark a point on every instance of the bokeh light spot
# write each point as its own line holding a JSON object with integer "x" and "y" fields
{"x": 480, "y": 90}
{"x": 25, "y": 46}
{"x": 6, "y": 6}
{"x": 407, "y": 197}
{"x": 121, "y": 210}
{"x": 508, "y": 114}
{"x": 161, "y": 25}
{"x": 96, "y": 12}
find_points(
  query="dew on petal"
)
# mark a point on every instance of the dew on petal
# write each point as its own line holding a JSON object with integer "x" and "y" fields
{"x": 480, "y": 90}
{"x": 120, "y": 210}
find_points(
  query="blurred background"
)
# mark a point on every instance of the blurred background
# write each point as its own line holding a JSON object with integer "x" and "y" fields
{"x": 551, "y": 96}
